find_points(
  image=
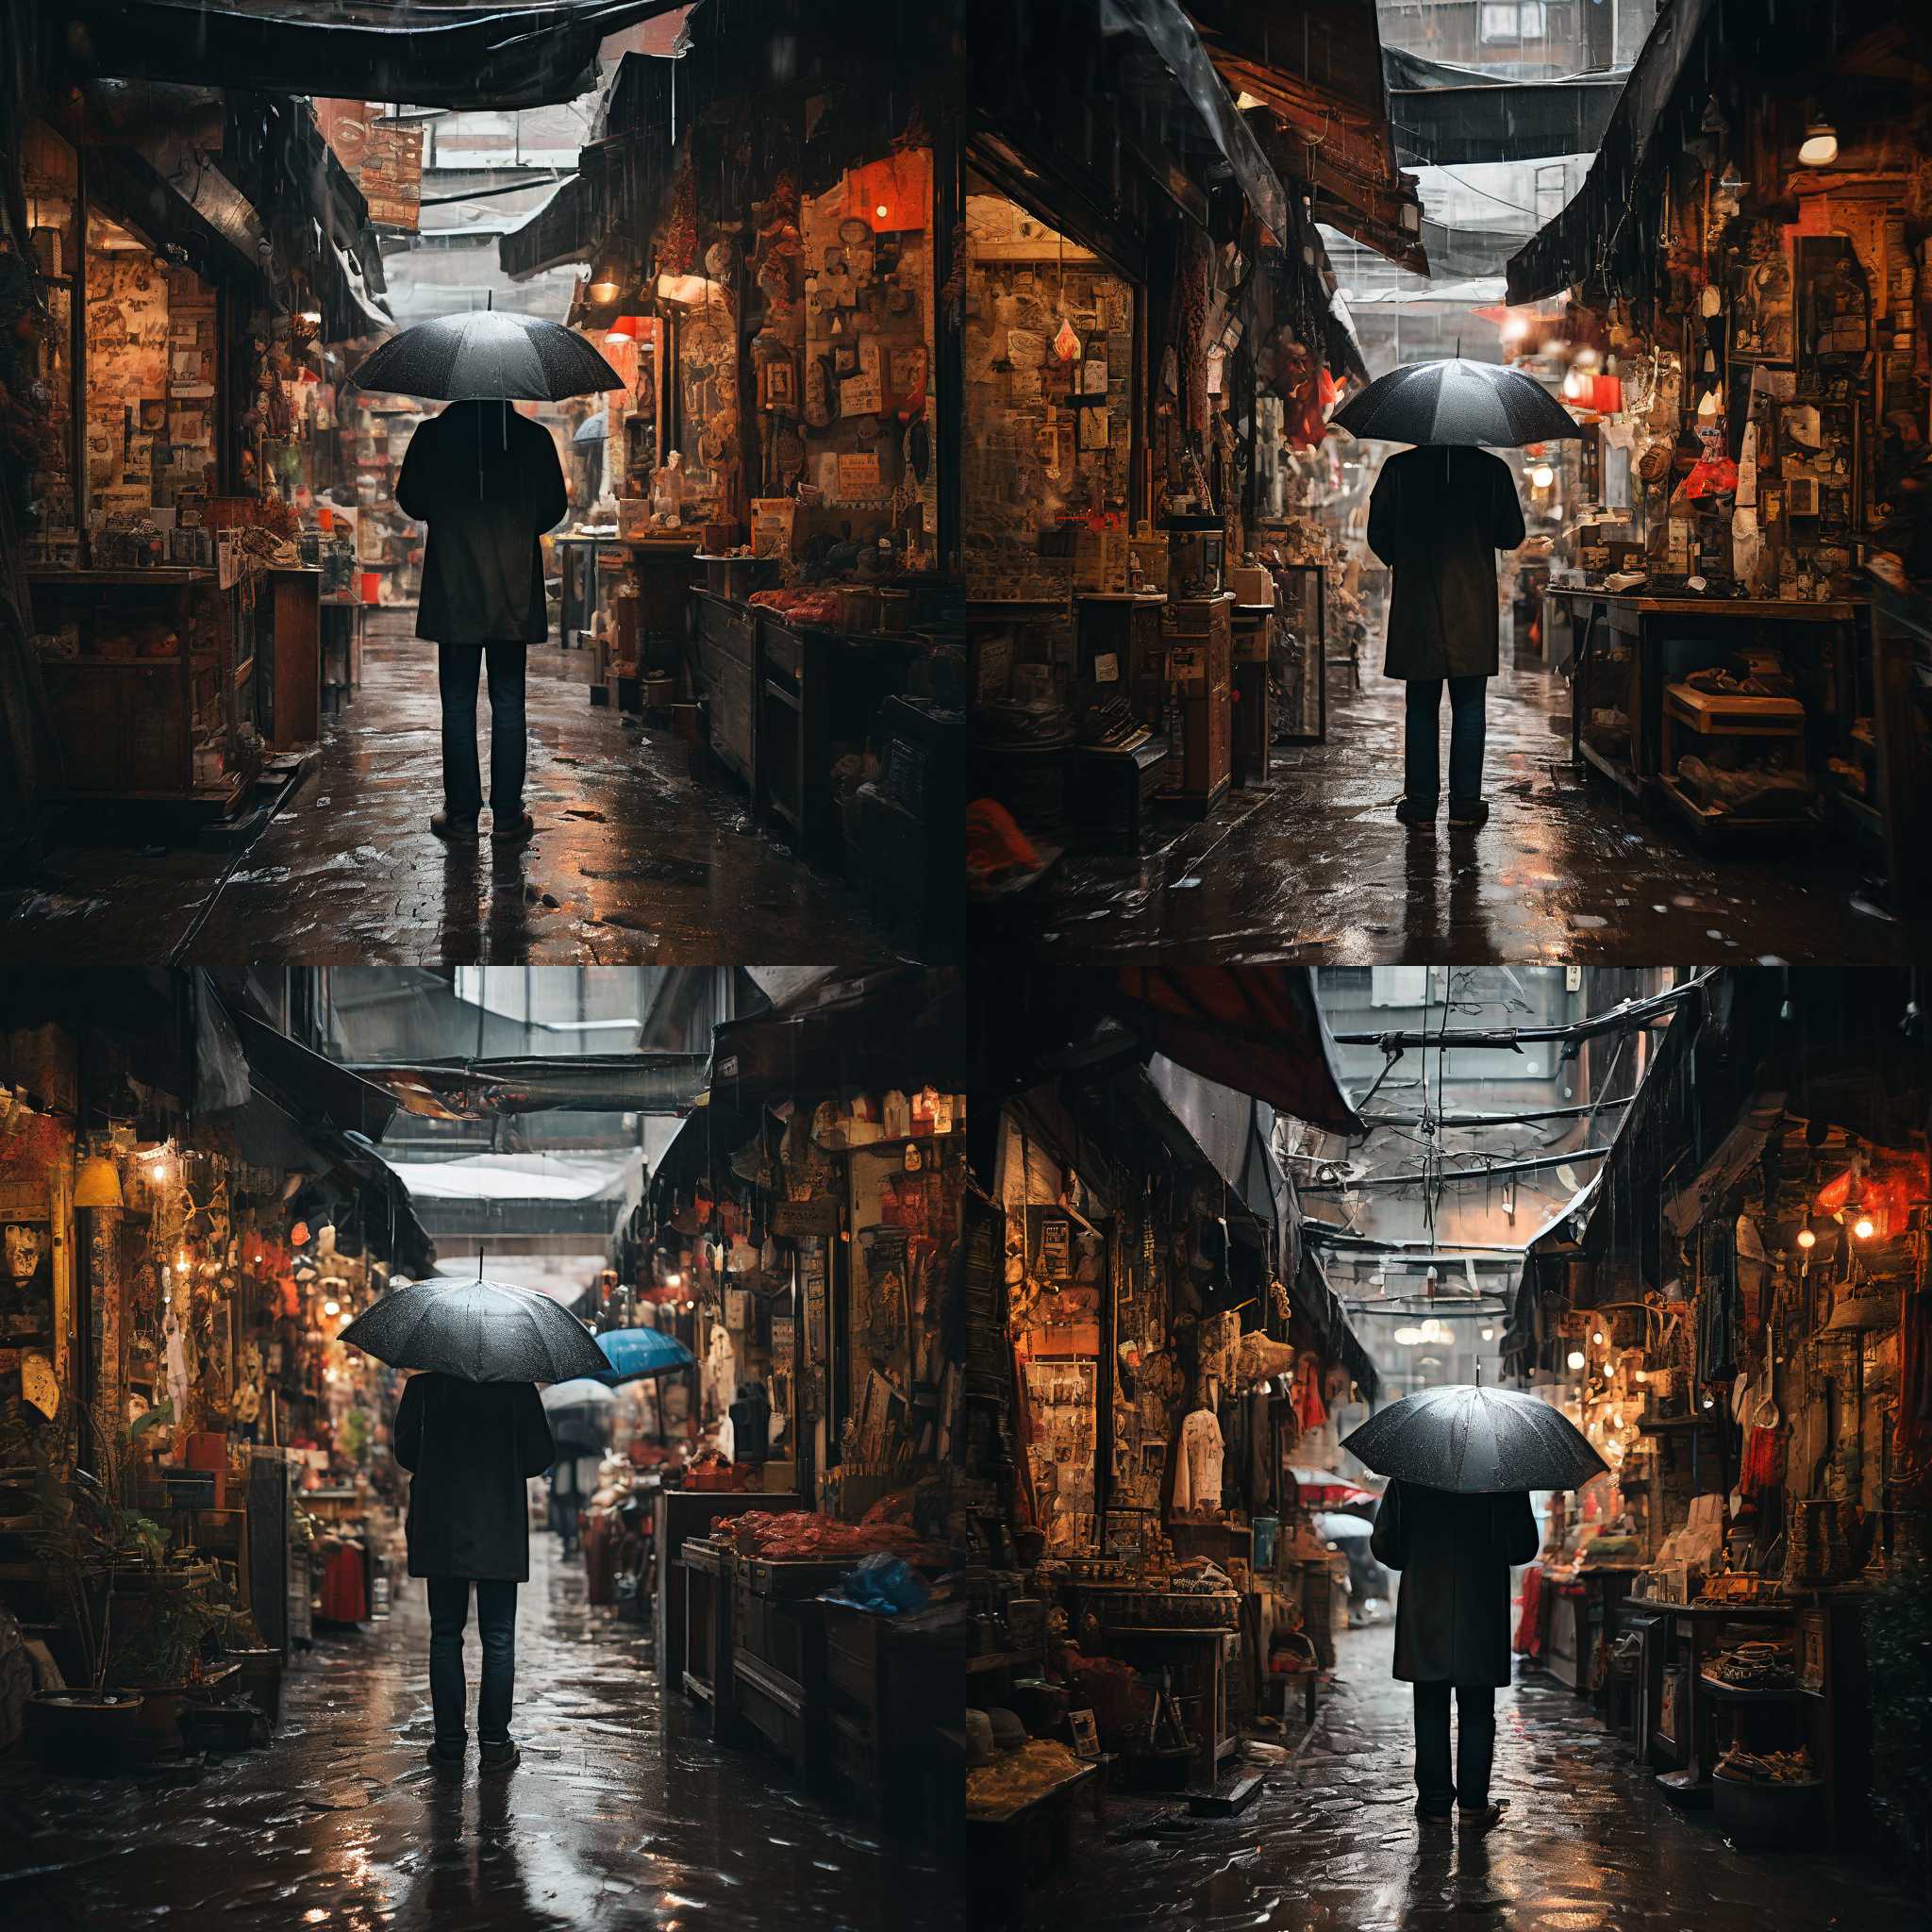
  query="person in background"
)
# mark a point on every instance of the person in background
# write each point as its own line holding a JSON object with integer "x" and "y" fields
{"x": 1437, "y": 519}
{"x": 471, "y": 1447}
{"x": 1452, "y": 1632}
{"x": 488, "y": 483}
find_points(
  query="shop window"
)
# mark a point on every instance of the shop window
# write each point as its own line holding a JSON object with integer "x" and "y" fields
{"x": 1050, "y": 381}
{"x": 1513, "y": 21}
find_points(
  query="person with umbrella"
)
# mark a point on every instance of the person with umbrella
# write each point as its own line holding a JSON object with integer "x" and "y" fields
{"x": 575, "y": 1411}
{"x": 471, "y": 1430}
{"x": 488, "y": 483}
{"x": 1454, "y": 1520}
{"x": 1438, "y": 514}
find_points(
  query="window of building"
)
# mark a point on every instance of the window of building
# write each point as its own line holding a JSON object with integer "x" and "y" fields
{"x": 1513, "y": 19}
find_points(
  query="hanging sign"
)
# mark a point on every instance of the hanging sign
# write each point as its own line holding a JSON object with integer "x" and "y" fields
{"x": 819, "y": 1215}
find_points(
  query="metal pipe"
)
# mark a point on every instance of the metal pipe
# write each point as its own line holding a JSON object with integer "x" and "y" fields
{"x": 1535, "y": 1165}
{"x": 1487, "y": 1120}
{"x": 1642, "y": 1012}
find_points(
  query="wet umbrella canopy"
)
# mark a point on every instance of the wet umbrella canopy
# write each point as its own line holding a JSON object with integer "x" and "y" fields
{"x": 1453, "y": 401}
{"x": 486, "y": 356}
{"x": 1476, "y": 1441}
{"x": 636, "y": 1353}
{"x": 577, "y": 1392}
{"x": 482, "y": 1331}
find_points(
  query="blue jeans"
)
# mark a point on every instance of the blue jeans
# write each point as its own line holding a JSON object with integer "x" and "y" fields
{"x": 1437, "y": 1790}
{"x": 1421, "y": 749}
{"x": 458, "y": 668}
{"x": 496, "y": 1624}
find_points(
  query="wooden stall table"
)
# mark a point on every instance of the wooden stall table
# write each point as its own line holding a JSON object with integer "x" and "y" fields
{"x": 678, "y": 1517}
{"x": 1194, "y": 1655}
{"x": 1643, "y": 620}
{"x": 778, "y": 1652}
{"x": 707, "y": 1567}
{"x": 579, "y": 550}
{"x": 814, "y": 686}
{"x": 1009, "y": 1847}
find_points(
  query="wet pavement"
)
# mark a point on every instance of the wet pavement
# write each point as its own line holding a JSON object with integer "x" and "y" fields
{"x": 633, "y": 859}
{"x": 1315, "y": 867}
{"x": 1332, "y": 1844}
{"x": 617, "y": 1817}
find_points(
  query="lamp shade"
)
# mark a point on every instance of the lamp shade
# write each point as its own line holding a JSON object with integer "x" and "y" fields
{"x": 625, "y": 330}
{"x": 97, "y": 1184}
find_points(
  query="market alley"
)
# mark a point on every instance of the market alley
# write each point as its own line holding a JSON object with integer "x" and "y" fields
{"x": 616, "y": 1817}
{"x": 1587, "y": 1845}
{"x": 1314, "y": 865}
{"x": 632, "y": 859}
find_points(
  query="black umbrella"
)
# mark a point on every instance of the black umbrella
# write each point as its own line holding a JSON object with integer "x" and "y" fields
{"x": 1477, "y": 1441}
{"x": 483, "y": 1331}
{"x": 1453, "y": 401}
{"x": 486, "y": 356}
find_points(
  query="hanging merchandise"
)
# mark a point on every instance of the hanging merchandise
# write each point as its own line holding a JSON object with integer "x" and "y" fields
{"x": 1197, "y": 1463}
{"x": 1311, "y": 1411}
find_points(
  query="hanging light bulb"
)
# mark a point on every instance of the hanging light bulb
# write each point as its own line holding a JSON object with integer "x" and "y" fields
{"x": 331, "y": 1308}
{"x": 1808, "y": 1237}
{"x": 1643, "y": 1375}
{"x": 1541, "y": 476}
{"x": 673, "y": 1279}
{"x": 1864, "y": 1228}
{"x": 1819, "y": 148}
{"x": 1597, "y": 1337}
{"x": 603, "y": 284}
{"x": 1575, "y": 1358}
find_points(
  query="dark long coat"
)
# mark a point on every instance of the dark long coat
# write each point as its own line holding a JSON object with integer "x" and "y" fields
{"x": 488, "y": 483}
{"x": 469, "y": 1445}
{"x": 1437, "y": 519}
{"x": 1452, "y": 1618}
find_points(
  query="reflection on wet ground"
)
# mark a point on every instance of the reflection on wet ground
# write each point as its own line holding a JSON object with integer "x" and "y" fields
{"x": 617, "y": 1817}
{"x": 1332, "y": 1844}
{"x": 632, "y": 860}
{"x": 1315, "y": 867}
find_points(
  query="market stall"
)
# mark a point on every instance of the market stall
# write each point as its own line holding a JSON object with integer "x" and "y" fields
{"x": 203, "y": 1458}
{"x": 1742, "y": 1365}
{"x": 1746, "y": 362}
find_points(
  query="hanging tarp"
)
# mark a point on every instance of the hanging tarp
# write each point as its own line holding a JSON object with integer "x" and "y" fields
{"x": 1575, "y": 245}
{"x": 1257, "y": 1029}
{"x": 479, "y": 1089}
{"x": 445, "y": 57}
{"x": 1447, "y": 116}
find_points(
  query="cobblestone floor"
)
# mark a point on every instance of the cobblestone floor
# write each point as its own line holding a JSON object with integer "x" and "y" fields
{"x": 1332, "y": 1845}
{"x": 1315, "y": 866}
{"x": 617, "y": 1818}
{"x": 633, "y": 860}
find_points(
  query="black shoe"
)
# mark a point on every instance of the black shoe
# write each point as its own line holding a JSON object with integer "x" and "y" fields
{"x": 503, "y": 1756}
{"x": 1432, "y": 1821}
{"x": 441, "y": 1759}
{"x": 1486, "y": 1818}
{"x": 447, "y": 825}
{"x": 1475, "y": 812}
{"x": 1411, "y": 813}
{"x": 515, "y": 832}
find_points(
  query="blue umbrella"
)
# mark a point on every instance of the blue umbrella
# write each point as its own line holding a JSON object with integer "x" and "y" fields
{"x": 635, "y": 1353}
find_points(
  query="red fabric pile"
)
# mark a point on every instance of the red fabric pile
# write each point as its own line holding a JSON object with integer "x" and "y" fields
{"x": 800, "y": 1534}
{"x": 800, "y": 607}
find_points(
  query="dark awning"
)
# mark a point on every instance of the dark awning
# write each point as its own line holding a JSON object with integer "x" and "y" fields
{"x": 1317, "y": 66}
{"x": 1446, "y": 116}
{"x": 479, "y": 1090}
{"x": 506, "y": 55}
{"x": 1257, "y": 1029}
{"x": 1571, "y": 248}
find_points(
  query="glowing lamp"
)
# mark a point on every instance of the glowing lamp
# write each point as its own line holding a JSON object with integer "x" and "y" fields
{"x": 603, "y": 287}
{"x": 881, "y": 211}
{"x": 1806, "y": 1237}
{"x": 97, "y": 1184}
{"x": 1598, "y": 1338}
{"x": 1819, "y": 148}
{"x": 1864, "y": 1228}
{"x": 1575, "y": 1358}
{"x": 1541, "y": 476}
{"x": 331, "y": 1308}
{"x": 673, "y": 1279}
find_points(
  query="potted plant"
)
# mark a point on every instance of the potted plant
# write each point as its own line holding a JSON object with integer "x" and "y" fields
{"x": 83, "y": 1536}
